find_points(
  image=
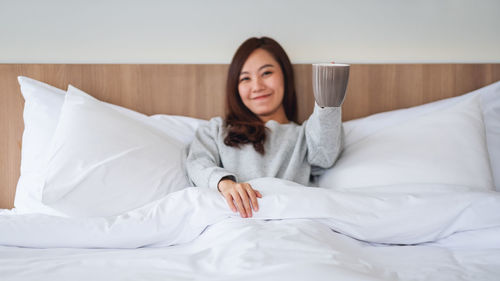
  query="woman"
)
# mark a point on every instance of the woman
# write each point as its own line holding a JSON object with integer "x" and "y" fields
{"x": 259, "y": 136}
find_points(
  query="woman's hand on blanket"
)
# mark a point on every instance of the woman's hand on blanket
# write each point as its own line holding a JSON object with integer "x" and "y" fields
{"x": 242, "y": 194}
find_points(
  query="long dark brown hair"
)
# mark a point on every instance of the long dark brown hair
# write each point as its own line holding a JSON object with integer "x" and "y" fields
{"x": 243, "y": 126}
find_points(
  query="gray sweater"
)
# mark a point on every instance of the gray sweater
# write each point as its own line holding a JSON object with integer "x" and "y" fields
{"x": 292, "y": 152}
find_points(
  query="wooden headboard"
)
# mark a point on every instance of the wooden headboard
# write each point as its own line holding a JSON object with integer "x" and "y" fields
{"x": 198, "y": 91}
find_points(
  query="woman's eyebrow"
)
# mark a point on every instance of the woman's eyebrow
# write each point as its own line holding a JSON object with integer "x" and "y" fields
{"x": 266, "y": 65}
{"x": 260, "y": 68}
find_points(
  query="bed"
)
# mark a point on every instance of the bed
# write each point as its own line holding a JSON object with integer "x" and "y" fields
{"x": 92, "y": 161}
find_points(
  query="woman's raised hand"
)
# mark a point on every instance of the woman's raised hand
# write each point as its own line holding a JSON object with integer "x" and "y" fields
{"x": 242, "y": 194}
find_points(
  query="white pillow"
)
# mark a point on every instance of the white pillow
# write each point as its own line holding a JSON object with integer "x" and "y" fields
{"x": 104, "y": 161}
{"x": 41, "y": 114}
{"x": 490, "y": 107}
{"x": 42, "y": 107}
{"x": 440, "y": 144}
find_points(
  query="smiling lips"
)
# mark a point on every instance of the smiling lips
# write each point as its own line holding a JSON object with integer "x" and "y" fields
{"x": 262, "y": 97}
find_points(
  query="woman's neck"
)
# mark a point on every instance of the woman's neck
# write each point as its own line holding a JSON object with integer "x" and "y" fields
{"x": 278, "y": 116}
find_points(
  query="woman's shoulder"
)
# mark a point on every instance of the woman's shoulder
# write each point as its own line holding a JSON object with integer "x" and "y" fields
{"x": 213, "y": 126}
{"x": 216, "y": 121}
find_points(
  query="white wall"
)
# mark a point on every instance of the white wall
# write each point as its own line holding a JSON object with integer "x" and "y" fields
{"x": 209, "y": 31}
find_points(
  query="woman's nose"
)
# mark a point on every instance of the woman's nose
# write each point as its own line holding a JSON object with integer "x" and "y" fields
{"x": 257, "y": 84}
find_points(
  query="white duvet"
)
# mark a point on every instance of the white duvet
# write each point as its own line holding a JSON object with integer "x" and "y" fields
{"x": 403, "y": 232}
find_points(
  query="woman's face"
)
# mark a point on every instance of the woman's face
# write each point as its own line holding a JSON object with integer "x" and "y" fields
{"x": 261, "y": 86}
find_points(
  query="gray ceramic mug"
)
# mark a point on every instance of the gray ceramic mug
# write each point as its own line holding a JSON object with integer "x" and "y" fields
{"x": 329, "y": 83}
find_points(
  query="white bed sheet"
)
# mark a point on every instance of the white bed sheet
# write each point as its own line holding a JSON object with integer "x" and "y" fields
{"x": 298, "y": 234}
{"x": 239, "y": 249}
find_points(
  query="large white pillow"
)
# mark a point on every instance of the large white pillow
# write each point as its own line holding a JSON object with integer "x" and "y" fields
{"x": 440, "y": 144}
{"x": 42, "y": 107}
{"x": 490, "y": 107}
{"x": 41, "y": 115}
{"x": 104, "y": 161}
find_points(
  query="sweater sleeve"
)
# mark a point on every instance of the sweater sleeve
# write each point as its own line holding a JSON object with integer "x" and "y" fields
{"x": 203, "y": 164}
{"x": 324, "y": 136}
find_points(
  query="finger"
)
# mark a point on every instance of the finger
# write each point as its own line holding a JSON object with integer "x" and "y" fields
{"x": 246, "y": 201}
{"x": 239, "y": 205}
{"x": 253, "y": 198}
{"x": 229, "y": 200}
{"x": 258, "y": 193}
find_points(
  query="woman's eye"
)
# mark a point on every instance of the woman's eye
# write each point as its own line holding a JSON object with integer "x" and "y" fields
{"x": 267, "y": 73}
{"x": 244, "y": 79}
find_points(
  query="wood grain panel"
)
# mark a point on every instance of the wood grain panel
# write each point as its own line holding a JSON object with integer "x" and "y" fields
{"x": 198, "y": 91}
{"x": 378, "y": 88}
{"x": 11, "y": 126}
